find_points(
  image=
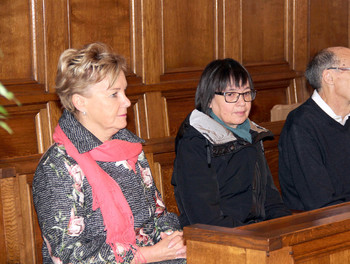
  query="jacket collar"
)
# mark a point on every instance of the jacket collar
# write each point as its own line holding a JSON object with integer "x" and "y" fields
{"x": 218, "y": 134}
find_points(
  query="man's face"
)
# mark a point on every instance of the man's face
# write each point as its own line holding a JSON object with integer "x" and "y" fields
{"x": 341, "y": 77}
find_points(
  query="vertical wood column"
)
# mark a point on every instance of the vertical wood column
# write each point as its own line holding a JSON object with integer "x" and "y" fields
{"x": 151, "y": 31}
{"x": 45, "y": 123}
{"x": 151, "y": 116}
{"x": 300, "y": 50}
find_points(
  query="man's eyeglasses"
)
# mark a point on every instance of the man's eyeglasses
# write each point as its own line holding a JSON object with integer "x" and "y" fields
{"x": 232, "y": 97}
{"x": 339, "y": 68}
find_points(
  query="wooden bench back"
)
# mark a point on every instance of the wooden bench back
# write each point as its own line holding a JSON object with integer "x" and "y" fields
{"x": 20, "y": 234}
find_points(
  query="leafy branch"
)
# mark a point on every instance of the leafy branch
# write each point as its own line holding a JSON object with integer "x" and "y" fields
{"x": 3, "y": 112}
{"x": 9, "y": 96}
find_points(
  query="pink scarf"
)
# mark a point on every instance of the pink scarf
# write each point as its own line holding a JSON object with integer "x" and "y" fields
{"x": 107, "y": 195}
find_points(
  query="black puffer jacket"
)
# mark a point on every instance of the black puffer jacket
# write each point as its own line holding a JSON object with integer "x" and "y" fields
{"x": 220, "y": 179}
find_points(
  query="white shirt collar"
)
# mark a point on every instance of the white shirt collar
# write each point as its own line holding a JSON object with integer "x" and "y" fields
{"x": 326, "y": 108}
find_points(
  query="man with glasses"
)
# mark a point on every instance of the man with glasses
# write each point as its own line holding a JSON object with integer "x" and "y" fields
{"x": 221, "y": 176}
{"x": 314, "y": 147}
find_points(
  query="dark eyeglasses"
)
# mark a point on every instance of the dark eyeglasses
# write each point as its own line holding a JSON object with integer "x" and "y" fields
{"x": 339, "y": 68}
{"x": 232, "y": 97}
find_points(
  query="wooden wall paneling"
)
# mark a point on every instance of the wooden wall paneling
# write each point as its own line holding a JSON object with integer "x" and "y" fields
{"x": 31, "y": 230}
{"x": 140, "y": 118}
{"x": 299, "y": 50}
{"x": 190, "y": 37}
{"x": 23, "y": 164}
{"x": 263, "y": 31}
{"x": 199, "y": 252}
{"x": 162, "y": 152}
{"x": 180, "y": 101}
{"x": 56, "y": 37}
{"x": 19, "y": 231}
{"x": 149, "y": 30}
{"x": 151, "y": 116}
{"x": 266, "y": 40}
{"x": 45, "y": 123}
{"x": 23, "y": 141}
{"x": 3, "y": 256}
{"x": 15, "y": 41}
{"x": 21, "y": 65}
{"x": 42, "y": 133}
{"x": 55, "y": 111}
{"x": 329, "y": 24}
{"x": 271, "y": 148}
{"x": 289, "y": 48}
{"x": 281, "y": 256}
{"x": 231, "y": 23}
{"x": 111, "y": 23}
{"x": 38, "y": 52}
{"x": 178, "y": 108}
{"x": 166, "y": 162}
{"x": 268, "y": 95}
{"x": 91, "y": 21}
{"x": 12, "y": 220}
{"x": 156, "y": 172}
{"x": 4, "y": 173}
{"x": 131, "y": 119}
{"x": 23, "y": 68}
{"x": 28, "y": 233}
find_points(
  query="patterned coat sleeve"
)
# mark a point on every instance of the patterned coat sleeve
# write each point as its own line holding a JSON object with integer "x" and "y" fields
{"x": 164, "y": 221}
{"x": 69, "y": 228}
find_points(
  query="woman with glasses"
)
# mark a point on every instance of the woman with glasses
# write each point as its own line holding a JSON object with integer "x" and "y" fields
{"x": 221, "y": 176}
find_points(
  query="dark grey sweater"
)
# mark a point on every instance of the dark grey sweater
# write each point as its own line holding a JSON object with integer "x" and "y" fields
{"x": 314, "y": 159}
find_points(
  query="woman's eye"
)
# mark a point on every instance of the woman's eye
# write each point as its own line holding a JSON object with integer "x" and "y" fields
{"x": 230, "y": 94}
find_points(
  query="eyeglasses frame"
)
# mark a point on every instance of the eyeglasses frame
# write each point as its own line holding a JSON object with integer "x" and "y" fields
{"x": 253, "y": 94}
{"x": 339, "y": 68}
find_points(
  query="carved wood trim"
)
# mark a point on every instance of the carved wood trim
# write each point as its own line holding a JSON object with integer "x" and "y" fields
{"x": 151, "y": 116}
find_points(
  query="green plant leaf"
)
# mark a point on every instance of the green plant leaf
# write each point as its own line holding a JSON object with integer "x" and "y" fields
{"x": 3, "y": 111}
{"x": 5, "y": 93}
{"x": 6, "y": 127}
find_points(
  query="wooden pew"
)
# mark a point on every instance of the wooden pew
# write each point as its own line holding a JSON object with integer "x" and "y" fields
{"x": 160, "y": 154}
{"x": 319, "y": 236}
{"x": 20, "y": 238}
{"x": 10, "y": 235}
{"x": 271, "y": 148}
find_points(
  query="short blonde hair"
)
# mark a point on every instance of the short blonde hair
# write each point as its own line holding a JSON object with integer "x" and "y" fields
{"x": 77, "y": 69}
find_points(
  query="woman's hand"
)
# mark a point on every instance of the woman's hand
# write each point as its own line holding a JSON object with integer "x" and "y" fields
{"x": 176, "y": 242}
{"x": 169, "y": 247}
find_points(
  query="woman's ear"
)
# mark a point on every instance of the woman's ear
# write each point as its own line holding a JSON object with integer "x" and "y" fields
{"x": 79, "y": 102}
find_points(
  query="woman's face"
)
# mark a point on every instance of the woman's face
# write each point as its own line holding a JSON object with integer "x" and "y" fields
{"x": 106, "y": 108}
{"x": 232, "y": 114}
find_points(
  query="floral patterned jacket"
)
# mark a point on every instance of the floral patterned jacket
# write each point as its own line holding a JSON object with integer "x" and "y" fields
{"x": 72, "y": 231}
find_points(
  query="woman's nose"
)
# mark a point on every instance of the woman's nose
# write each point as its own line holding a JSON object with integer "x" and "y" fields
{"x": 127, "y": 102}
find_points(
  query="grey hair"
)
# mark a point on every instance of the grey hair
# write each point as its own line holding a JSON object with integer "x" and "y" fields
{"x": 323, "y": 60}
